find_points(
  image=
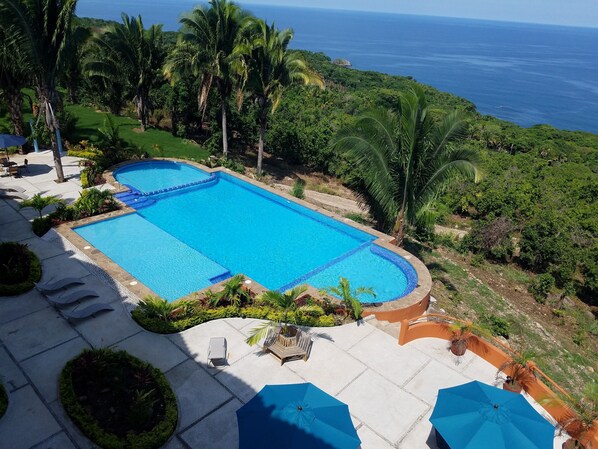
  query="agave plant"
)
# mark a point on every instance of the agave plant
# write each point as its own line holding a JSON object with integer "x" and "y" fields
{"x": 286, "y": 301}
{"x": 350, "y": 297}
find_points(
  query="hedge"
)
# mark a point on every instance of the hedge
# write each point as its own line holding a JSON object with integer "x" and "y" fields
{"x": 91, "y": 428}
{"x": 35, "y": 274}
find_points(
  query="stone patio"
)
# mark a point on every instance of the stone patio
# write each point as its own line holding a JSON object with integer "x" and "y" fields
{"x": 390, "y": 390}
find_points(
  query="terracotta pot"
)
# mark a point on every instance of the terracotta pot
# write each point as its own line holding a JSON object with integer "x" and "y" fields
{"x": 512, "y": 386}
{"x": 572, "y": 443}
{"x": 458, "y": 347}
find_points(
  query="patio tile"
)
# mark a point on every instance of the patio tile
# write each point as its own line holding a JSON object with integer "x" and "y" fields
{"x": 197, "y": 392}
{"x": 195, "y": 342}
{"x": 13, "y": 307}
{"x": 421, "y": 435}
{"x": 107, "y": 329}
{"x": 16, "y": 231}
{"x": 153, "y": 348}
{"x": 43, "y": 249}
{"x": 81, "y": 440}
{"x": 44, "y": 369}
{"x": 345, "y": 336}
{"x": 27, "y": 421}
{"x": 386, "y": 409}
{"x": 431, "y": 378}
{"x": 63, "y": 265}
{"x": 438, "y": 349}
{"x": 480, "y": 369}
{"x": 328, "y": 367}
{"x": 8, "y": 214}
{"x": 371, "y": 440}
{"x": 382, "y": 353}
{"x": 60, "y": 441}
{"x": 217, "y": 431}
{"x": 248, "y": 376}
{"x": 35, "y": 333}
{"x": 174, "y": 443}
{"x": 10, "y": 374}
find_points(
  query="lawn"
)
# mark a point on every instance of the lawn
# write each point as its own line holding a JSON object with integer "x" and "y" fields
{"x": 156, "y": 142}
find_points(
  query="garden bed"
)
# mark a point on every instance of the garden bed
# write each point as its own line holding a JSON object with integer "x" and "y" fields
{"x": 3, "y": 401}
{"x": 20, "y": 269}
{"x": 117, "y": 400}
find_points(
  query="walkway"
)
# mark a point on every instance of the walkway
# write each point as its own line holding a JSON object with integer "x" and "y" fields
{"x": 390, "y": 389}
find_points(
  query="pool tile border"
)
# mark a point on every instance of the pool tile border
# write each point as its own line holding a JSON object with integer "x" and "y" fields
{"x": 411, "y": 305}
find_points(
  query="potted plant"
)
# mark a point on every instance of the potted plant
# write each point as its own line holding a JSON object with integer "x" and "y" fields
{"x": 582, "y": 417}
{"x": 462, "y": 336}
{"x": 520, "y": 372}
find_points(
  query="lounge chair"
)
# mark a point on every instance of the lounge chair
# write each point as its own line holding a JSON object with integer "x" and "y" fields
{"x": 71, "y": 297}
{"x": 217, "y": 350}
{"x": 86, "y": 312}
{"x": 10, "y": 194}
{"x": 53, "y": 286}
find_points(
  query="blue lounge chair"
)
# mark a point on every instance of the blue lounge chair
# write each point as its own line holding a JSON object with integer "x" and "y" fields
{"x": 86, "y": 312}
{"x": 71, "y": 297}
{"x": 58, "y": 284}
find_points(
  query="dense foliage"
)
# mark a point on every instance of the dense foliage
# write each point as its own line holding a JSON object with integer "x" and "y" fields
{"x": 20, "y": 269}
{"x": 117, "y": 400}
{"x": 3, "y": 400}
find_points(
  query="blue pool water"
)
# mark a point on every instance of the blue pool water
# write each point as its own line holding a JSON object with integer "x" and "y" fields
{"x": 157, "y": 175}
{"x": 191, "y": 238}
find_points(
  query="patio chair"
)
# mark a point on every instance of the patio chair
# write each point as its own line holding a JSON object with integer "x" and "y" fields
{"x": 71, "y": 297}
{"x": 86, "y": 312}
{"x": 14, "y": 171}
{"x": 217, "y": 350}
{"x": 11, "y": 194}
{"x": 58, "y": 284}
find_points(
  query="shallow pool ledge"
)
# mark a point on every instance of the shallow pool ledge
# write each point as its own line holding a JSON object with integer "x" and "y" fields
{"x": 409, "y": 306}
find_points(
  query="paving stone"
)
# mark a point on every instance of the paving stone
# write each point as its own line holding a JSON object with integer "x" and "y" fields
{"x": 27, "y": 421}
{"x": 8, "y": 214}
{"x": 217, "y": 431}
{"x": 252, "y": 373}
{"x": 15, "y": 231}
{"x": 438, "y": 349}
{"x": 44, "y": 369}
{"x": 345, "y": 336}
{"x": 74, "y": 433}
{"x": 63, "y": 265}
{"x": 35, "y": 333}
{"x": 195, "y": 342}
{"x": 13, "y": 307}
{"x": 371, "y": 440}
{"x": 382, "y": 353}
{"x": 197, "y": 392}
{"x": 154, "y": 349}
{"x": 382, "y": 406}
{"x": 10, "y": 374}
{"x": 420, "y": 435}
{"x": 431, "y": 378}
{"x": 174, "y": 443}
{"x": 42, "y": 249}
{"x": 108, "y": 328}
{"x": 60, "y": 441}
{"x": 330, "y": 367}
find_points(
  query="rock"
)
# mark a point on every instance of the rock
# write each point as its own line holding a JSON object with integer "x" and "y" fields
{"x": 342, "y": 62}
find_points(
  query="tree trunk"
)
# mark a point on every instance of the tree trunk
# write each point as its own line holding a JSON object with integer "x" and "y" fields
{"x": 224, "y": 132}
{"x": 52, "y": 125}
{"x": 399, "y": 229}
{"x": 15, "y": 109}
{"x": 263, "y": 122}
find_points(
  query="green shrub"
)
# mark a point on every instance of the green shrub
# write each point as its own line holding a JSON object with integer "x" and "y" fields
{"x": 3, "y": 401}
{"x": 298, "y": 189}
{"x": 41, "y": 225}
{"x": 477, "y": 260}
{"x": 497, "y": 325}
{"x": 540, "y": 286}
{"x": 94, "y": 202}
{"x": 107, "y": 363}
{"x": 20, "y": 269}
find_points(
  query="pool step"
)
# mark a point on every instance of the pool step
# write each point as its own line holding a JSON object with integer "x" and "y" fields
{"x": 133, "y": 198}
{"x": 213, "y": 179}
{"x": 221, "y": 277}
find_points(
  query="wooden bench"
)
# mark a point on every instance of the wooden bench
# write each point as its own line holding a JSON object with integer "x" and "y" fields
{"x": 300, "y": 347}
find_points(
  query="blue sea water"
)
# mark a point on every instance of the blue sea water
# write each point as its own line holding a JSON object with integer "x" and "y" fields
{"x": 525, "y": 73}
{"x": 188, "y": 240}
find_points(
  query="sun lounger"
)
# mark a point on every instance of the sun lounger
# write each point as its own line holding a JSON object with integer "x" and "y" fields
{"x": 71, "y": 297}
{"x": 58, "y": 284}
{"x": 9, "y": 194}
{"x": 217, "y": 350}
{"x": 86, "y": 312}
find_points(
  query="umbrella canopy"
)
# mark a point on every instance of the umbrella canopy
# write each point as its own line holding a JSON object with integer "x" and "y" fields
{"x": 295, "y": 416}
{"x": 8, "y": 140}
{"x": 479, "y": 416}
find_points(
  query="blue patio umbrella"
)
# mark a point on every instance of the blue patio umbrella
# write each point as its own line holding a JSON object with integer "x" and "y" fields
{"x": 9, "y": 140}
{"x": 295, "y": 416}
{"x": 479, "y": 416}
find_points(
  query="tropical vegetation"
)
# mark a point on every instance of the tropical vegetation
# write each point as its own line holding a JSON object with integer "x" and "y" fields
{"x": 20, "y": 269}
{"x": 3, "y": 400}
{"x": 117, "y": 400}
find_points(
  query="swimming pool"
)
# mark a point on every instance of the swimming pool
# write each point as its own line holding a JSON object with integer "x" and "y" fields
{"x": 189, "y": 238}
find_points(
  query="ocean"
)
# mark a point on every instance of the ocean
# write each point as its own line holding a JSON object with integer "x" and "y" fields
{"x": 526, "y": 73}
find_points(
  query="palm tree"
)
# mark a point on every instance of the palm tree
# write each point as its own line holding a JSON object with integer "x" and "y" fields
{"x": 270, "y": 68}
{"x": 42, "y": 29}
{"x": 39, "y": 203}
{"x": 406, "y": 160}
{"x": 133, "y": 53}
{"x": 14, "y": 75}
{"x": 210, "y": 37}
{"x": 72, "y": 69}
{"x": 350, "y": 297}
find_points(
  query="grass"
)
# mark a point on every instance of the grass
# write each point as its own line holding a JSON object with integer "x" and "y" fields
{"x": 155, "y": 142}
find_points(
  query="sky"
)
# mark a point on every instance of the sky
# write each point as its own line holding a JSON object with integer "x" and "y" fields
{"x": 558, "y": 12}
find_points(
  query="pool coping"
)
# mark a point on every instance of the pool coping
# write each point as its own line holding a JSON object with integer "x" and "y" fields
{"x": 413, "y": 304}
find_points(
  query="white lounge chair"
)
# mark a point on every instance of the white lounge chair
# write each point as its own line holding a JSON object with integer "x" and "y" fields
{"x": 217, "y": 350}
{"x": 71, "y": 297}
{"x": 58, "y": 284}
{"x": 86, "y": 312}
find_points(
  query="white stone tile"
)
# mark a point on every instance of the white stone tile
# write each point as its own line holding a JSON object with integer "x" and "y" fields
{"x": 10, "y": 374}
{"x": 433, "y": 377}
{"x": 154, "y": 349}
{"x": 217, "y": 431}
{"x": 371, "y": 440}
